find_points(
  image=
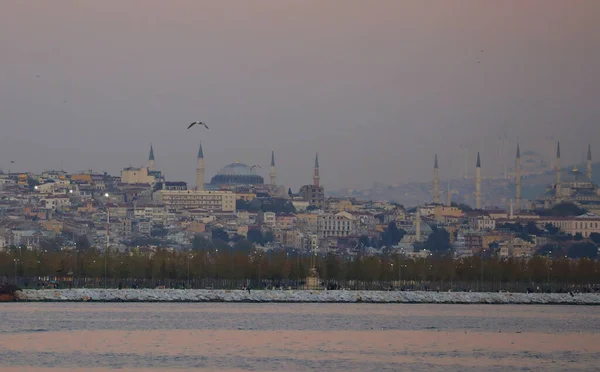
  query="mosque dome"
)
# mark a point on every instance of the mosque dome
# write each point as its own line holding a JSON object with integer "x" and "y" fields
{"x": 237, "y": 174}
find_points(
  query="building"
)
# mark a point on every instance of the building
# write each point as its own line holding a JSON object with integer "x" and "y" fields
{"x": 571, "y": 186}
{"x": 337, "y": 225}
{"x": 314, "y": 194}
{"x": 216, "y": 201}
{"x": 585, "y": 224}
{"x": 146, "y": 174}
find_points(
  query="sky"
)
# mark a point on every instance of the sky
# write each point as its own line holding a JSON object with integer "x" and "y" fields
{"x": 375, "y": 87}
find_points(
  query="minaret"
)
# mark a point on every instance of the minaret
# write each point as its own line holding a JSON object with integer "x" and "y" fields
{"x": 200, "y": 170}
{"x": 418, "y": 225}
{"x": 518, "y": 179}
{"x": 151, "y": 162}
{"x": 557, "y": 186}
{"x": 449, "y": 197}
{"x": 273, "y": 173}
{"x": 316, "y": 174}
{"x": 478, "y": 183}
{"x": 511, "y": 214}
{"x": 589, "y": 163}
{"x": 436, "y": 182}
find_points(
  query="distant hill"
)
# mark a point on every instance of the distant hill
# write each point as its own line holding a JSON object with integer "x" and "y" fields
{"x": 495, "y": 192}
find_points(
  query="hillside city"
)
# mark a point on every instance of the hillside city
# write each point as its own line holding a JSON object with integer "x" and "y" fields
{"x": 140, "y": 210}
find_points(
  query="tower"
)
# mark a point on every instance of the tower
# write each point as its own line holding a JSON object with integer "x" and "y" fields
{"x": 589, "y": 162}
{"x": 200, "y": 170}
{"x": 478, "y": 183}
{"x": 273, "y": 174}
{"x": 518, "y": 179}
{"x": 557, "y": 186}
{"x": 436, "y": 182}
{"x": 316, "y": 174}
{"x": 449, "y": 197}
{"x": 418, "y": 225}
{"x": 151, "y": 162}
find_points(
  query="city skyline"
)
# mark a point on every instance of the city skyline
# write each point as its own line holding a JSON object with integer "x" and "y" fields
{"x": 376, "y": 90}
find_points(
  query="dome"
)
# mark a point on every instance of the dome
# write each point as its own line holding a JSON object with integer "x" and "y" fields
{"x": 237, "y": 174}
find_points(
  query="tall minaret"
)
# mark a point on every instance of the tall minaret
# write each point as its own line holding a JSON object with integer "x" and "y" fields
{"x": 436, "y": 182}
{"x": 151, "y": 163}
{"x": 200, "y": 170}
{"x": 589, "y": 163}
{"x": 418, "y": 225}
{"x": 557, "y": 187}
{"x": 518, "y": 179}
{"x": 316, "y": 174}
{"x": 478, "y": 183}
{"x": 449, "y": 197}
{"x": 273, "y": 173}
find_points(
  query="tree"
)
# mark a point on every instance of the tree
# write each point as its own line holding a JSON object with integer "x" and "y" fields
{"x": 584, "y": 249}
{"x": 438, "y": 241}
{"x": 392, "y": 235}
{"x": 199, "y": 242}
{"x": 595, "y": 237}
{"x": 532, "y": 229}
{"x": 256, "y": 236}
{"x": 220, "y": 234}
{"x": 82, "y": 243}
{"x": 159, "y": 231}
{"x": 462, "y": 206}
{"x": 578, "y": 236}
{"x": 552, "y": 230}
{"x": 269, "y": 237}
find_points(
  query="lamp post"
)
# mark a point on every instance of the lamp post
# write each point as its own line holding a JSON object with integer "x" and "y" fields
{"x": 107, "y": 241}
{"x": 189, "y": 257}
{"x": 16, "y": 263}
{"x": 548, "y": 266}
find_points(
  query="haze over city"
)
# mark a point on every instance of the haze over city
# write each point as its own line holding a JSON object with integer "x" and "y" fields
{"x": 376, "y": 88}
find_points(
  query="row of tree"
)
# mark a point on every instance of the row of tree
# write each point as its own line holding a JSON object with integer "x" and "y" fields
{"x": 243, "y": 262}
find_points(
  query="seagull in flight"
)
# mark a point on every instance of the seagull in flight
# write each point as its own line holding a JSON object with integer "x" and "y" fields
{"x": 198, "y": 123}
{"x": 255, "y": 166}
{"x": 12, "y": 161}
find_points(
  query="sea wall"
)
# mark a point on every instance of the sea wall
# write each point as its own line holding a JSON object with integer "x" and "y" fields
{"x": 292, "y": 296}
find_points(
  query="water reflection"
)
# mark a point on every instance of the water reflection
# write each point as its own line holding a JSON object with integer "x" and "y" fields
{"x": 291, "y": 337}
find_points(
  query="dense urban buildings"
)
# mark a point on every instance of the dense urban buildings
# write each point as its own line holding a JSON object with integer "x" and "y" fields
{"x": 142, "y": 210}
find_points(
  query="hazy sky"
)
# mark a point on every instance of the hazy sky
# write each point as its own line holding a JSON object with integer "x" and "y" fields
{"x": 376, "y": 87}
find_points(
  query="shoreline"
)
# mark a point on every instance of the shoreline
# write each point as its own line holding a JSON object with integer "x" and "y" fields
{"x": 301, "y": 296}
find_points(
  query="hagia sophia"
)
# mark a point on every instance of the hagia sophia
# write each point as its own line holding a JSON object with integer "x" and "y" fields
{"x": 220, "y": 192}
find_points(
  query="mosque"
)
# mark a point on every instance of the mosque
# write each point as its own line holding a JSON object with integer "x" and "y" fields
{"x": 572, "y": 186}
{"x": 237, "y": 174}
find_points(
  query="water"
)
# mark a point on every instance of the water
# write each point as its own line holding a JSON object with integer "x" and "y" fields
{"x": 44, "y": 337}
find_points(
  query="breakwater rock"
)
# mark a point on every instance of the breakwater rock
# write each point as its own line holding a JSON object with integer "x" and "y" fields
{"x": 296, "y": 296}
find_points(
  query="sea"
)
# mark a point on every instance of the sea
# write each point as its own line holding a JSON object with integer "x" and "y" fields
{"x": 151, "y": 337}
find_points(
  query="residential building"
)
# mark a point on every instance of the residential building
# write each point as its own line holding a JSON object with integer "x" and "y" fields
{"x": 217, "y": 201}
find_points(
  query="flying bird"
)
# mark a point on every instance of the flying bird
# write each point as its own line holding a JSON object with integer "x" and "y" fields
{"x": 255, "y": 166}
{"x": 198, "y": 123}
{"x": 12, "y": 161}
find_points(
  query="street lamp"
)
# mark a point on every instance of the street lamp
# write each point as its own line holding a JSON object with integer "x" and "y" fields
{"x": 16, "y": 263}
{"x": 106, "y": 195}
{"x": 548, "y": 265}
{"x": 189, "y": 257}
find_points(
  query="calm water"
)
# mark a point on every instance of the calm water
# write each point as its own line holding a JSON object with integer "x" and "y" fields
{"x": 291, "y": 337}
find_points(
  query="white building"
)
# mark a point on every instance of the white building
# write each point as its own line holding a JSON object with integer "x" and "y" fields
{"x": 335, "y": 225}
{"x": 216, "y": 201}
